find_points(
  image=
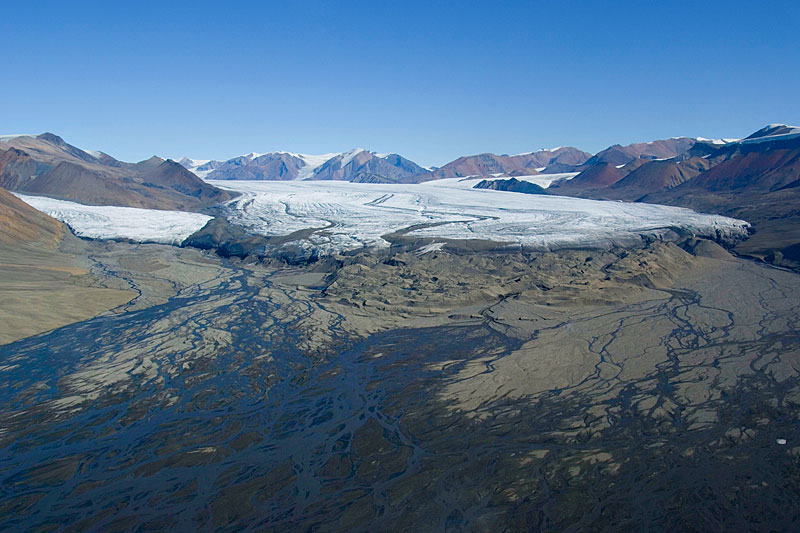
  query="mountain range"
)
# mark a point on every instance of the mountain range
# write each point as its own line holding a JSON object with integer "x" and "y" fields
{"x": 756, "y": 178}
{"x": 47, "y": 165}
{"x": 362, "y": 166}
{"x": 689, "y": 164}
{"x": 358, "y": 165}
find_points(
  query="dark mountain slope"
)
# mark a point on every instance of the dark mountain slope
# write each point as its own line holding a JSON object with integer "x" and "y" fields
{"x": 482, "y": 165}
{"x": 655, "y": 176}
{"x": 511, "y": 185}
{"x": 741, "y": 173}
{"x": 772, "y": 130}
{"x": 171, "y": 175}
{"x": 754, "y": 182}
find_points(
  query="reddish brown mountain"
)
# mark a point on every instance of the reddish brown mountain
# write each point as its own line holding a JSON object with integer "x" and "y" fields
{"x": 169, "y": 175}
{"x": 484, "y": 165}
{"x": 655, "y": 176}
{"x": 16, "y": 168}
{"x": 622, "y": 155}
{"x": 757, "y": 182}
{"x": 752, "y": 172}
{"x": 598, "y": 176}
{"x": 564, "y": 155}
{"x": 48, "y": 166}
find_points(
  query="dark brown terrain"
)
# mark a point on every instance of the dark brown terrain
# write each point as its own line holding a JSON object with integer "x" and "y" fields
{"x": 585, "y": 390}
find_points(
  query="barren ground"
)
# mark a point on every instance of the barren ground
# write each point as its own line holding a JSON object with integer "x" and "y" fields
{"x": 595, "y": 390}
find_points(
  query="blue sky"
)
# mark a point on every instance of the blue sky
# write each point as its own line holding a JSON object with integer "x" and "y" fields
{"x": 429, "y": 80}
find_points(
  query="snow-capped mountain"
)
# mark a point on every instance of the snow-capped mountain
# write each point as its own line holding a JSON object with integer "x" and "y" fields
{"x": 360, "y": 165}
{"x": 773, "y": 132}
{"x": 354, "y": 165}
{"x": 603, "y": 168}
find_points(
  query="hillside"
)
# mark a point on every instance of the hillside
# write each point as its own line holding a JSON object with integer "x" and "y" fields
{"x": 661, "y": 149}
{"x": 654, "y": 176}
{"x": 756, "y": 179}
{"x": 22, "y": 224}
{"x": 44, "y": 276}
{"x": 487, "y": 164}
{"x": 46, "y": 165}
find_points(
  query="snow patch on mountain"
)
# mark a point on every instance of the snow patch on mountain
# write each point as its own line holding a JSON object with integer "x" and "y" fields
{"x": 349, "y": 156}
{"x": 192, "y": 163}
{"x": 6, "y": 138}
{"x": 313, "y": 162}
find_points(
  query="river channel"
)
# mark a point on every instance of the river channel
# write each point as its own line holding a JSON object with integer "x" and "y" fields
{"x": 218, "y": 419}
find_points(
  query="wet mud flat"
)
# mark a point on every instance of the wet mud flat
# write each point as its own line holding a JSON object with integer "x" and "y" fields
{"x": 212, "y": 411}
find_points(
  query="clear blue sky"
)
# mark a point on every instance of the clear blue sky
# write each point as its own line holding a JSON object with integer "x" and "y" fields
{"x": 429, "y": 80}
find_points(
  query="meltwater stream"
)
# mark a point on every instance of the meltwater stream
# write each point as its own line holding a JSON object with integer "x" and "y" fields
{"x": 223, "y": 442}
{"x": 204, "y": 413}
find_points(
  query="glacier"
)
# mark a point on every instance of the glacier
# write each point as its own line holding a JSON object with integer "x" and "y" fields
{"x": 111, "y": 222}
{"x": 349, "y": 216}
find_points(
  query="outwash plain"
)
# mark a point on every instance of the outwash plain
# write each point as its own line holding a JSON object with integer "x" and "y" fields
{"x": 454, "y": 389}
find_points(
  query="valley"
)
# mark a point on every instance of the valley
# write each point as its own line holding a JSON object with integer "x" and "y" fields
{"x": 400, "y": 267}
{"x": 448, "y": 354}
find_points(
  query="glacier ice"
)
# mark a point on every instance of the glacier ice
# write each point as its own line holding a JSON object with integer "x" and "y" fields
{"x": 111, "y": 222}
{"x": 355, "y": 215}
